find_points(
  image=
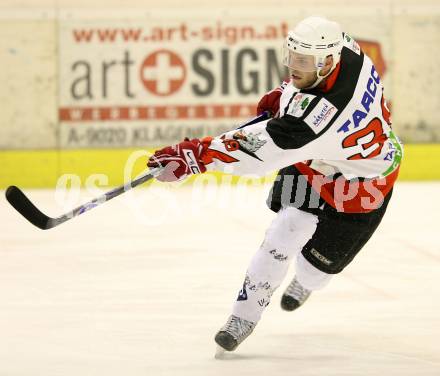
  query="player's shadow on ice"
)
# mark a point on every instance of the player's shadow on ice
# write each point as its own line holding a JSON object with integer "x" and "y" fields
{"x": 312, "y": 347}
{"x": 237, "y": 356}
{"x": 260, "y": 356}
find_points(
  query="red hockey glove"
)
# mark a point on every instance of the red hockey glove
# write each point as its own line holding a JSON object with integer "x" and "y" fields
{"x": 179, "y": 160}
{"x": 271, "y": 101}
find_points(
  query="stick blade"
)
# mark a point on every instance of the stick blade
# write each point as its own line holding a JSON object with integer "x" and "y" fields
{"x": 26, "y": 208}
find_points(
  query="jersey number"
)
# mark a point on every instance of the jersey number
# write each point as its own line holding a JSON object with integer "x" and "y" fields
{"x": 374, "y": 127}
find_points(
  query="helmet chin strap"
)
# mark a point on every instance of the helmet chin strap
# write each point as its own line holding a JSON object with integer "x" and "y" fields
{"x": 318, "y": 81}
{"x": 320, "y": 78}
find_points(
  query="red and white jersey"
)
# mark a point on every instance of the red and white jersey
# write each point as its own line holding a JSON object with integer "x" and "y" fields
{"x": 341, "y": 129}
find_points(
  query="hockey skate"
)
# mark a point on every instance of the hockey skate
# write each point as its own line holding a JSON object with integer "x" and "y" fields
{"x": 234, "y": 332}
{"x": 294, "y": 296}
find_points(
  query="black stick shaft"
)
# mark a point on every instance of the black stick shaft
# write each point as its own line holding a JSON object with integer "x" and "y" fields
{"x": 28, "y": 210}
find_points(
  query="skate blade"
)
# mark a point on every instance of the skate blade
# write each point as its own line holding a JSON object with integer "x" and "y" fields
{"x": 219, "y": 352}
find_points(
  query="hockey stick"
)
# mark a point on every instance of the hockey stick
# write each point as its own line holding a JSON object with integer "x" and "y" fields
{"x": 263, "y": 116}
{"x": 27, "y": 209}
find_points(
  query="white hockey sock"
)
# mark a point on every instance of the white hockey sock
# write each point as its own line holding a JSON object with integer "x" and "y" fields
{"x": 309, "y": 276}
{"x": 286, "y": 236}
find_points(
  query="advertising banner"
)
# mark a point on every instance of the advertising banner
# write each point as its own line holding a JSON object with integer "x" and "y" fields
{"x": 137, "y": 83}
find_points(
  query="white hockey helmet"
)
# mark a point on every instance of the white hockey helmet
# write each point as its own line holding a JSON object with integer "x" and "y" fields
{"x": 310, "y": 42}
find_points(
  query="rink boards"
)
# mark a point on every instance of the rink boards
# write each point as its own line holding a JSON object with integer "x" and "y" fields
{"x": 42, "y": 169}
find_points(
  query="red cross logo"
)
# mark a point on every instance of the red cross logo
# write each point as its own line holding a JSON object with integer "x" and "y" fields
{"x": 163, "y": 72}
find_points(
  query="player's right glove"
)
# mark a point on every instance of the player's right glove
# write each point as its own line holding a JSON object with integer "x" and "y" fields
{"x": 180, "y": 160}
{"x": 271, "y": 101}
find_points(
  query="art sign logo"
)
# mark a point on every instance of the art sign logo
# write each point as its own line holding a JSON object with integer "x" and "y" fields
{"x": 163, "y": 72}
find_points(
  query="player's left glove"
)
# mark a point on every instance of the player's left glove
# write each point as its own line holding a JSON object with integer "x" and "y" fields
{"x": 179, "y": 160}
{"x": 271, "y": 101}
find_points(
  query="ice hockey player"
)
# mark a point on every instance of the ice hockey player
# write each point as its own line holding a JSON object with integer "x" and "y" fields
{"x": 330, "y": 137}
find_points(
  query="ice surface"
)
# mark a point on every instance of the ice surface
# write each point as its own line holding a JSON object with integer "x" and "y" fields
{"x": 140, "y": 285}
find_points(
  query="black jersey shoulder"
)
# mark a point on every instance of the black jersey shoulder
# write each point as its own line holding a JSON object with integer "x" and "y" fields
{"x": 289, "y": 132}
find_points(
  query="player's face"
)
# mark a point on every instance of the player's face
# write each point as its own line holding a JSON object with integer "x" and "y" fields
{"x": 301, "y": 79}
{"x": 302, "y": 68}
